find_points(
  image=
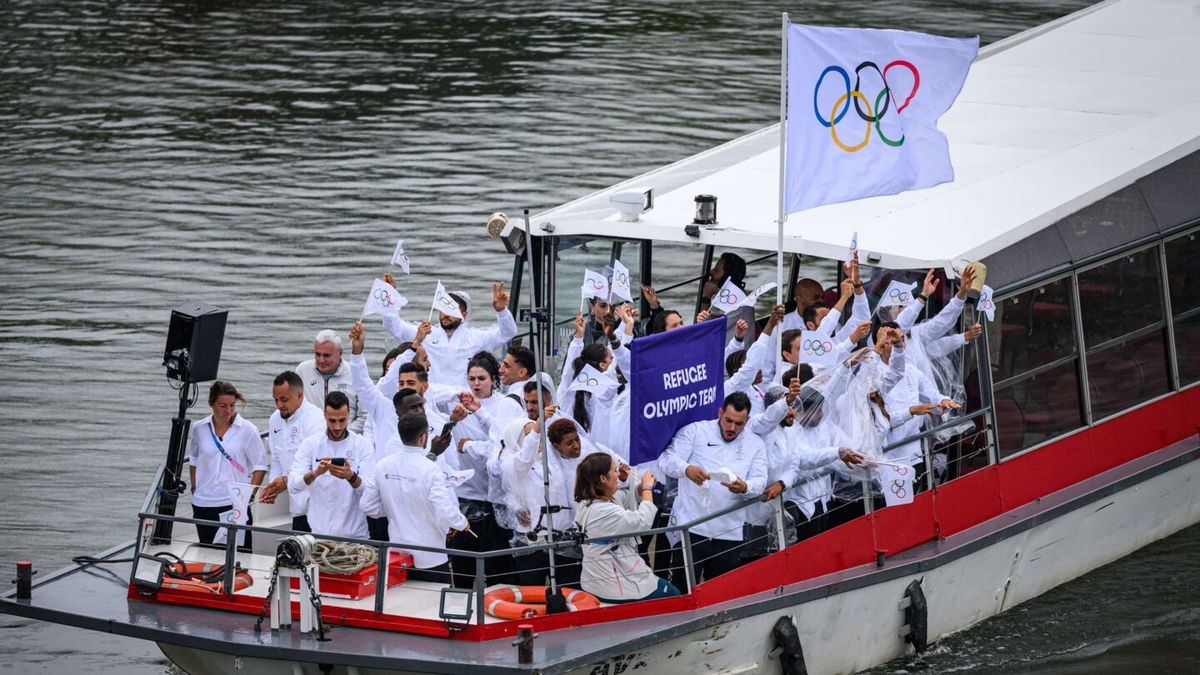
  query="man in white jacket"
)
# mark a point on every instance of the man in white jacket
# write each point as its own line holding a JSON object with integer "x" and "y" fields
{"x": 699, "y": 450}
{"x": 294, "y": 420}
{"x": 411, "y": 491}
{"x": 329, "y": 468}
{"x": 453, "y": 341}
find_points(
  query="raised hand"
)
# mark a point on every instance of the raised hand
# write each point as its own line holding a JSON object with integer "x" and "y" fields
{"x": 650, "y": 295}
{"x": 357, "y": 338}
{"x": 930, "y": 284}
{"x": 964, "y": 282}
{"x": 972, "y": 332}
{"x": 423, "y": 332}
{"x": 740, "y": 329}
{"x": 499, "y": 297}
{"x": 861, "y": 331}
{"x": 389, "y": 279}
{"x": 579, "y": 326}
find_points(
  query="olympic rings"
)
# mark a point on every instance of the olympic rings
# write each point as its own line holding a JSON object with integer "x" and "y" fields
{"x": 446, "y": 301}
{"x": 596, "y": 283}
{"x": 586, "y": 381}
{"x": 817, "y": 347}
{"x": 383, "y": 297}
{"x": 853, "y": 97}
{"x": 833, "y": 130}
{"x": 728, "y": 297}
{"x": 898, "y": 488}
{"x": 899, "y": 295}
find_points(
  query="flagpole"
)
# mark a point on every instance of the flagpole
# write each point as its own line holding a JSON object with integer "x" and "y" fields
{"x": 783, "y": 54}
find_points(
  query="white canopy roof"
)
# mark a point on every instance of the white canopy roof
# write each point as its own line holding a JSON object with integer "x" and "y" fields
{"x": 1049, "y": 121}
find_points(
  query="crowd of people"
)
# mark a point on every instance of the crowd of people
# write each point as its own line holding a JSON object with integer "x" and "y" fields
{"x": 463, "y": 446}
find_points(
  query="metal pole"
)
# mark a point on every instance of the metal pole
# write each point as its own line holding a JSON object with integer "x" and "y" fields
{"x": 480, "y": 586}
{"x": 783, "y": 68}
{"x": 780, "y": 523}
{"x": 927, "y": 455}
{"x": 172, "y": 479}
{"x": 689, "y": 569}
{"x": 541, "y": 421}
{"x": 381, "y": 574}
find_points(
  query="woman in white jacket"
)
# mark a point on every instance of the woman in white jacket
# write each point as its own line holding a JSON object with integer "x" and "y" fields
{"x": 612, "y": 569}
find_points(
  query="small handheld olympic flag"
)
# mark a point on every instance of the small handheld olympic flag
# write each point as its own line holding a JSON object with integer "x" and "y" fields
{"x": 898, "y": 294}
{"x": 853, "y": 247}
{"x": 443, "y": 303}
{"x": 591, "y": 379}
{"x": 985, "y": 303}
{"x": 729, "y": 298}
{"x": 595, "y": 285}
{"x": 239, "y": 497}
{"x": 817, "y": 349}
{"x": 383, "y": 300}
{"x": 897, "y": 483}
{"x": 752, "y": 299}
{"x": 620, "y": 282}
{"x": 399, "y": 257}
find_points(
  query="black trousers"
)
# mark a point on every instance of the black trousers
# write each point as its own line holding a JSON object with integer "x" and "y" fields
{"x": 378, "y": 527}
{"x": 534, "y": 570}
{"x": 808, "y": 527}
{"x": 207, "y": 533}
{"x": 300, "y": 523}
{"x": 439, "y": 574}
{"x": 713, "y": 557}
{"x": 487, "y": 536}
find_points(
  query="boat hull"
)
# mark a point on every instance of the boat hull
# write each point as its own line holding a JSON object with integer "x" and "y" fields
{"x": 855, "y": 621}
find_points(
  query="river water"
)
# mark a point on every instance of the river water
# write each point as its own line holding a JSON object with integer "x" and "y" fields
{"x": 264, "y": 157}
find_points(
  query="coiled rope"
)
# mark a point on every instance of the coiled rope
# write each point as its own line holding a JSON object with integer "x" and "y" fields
{"x": 336, "y": 557}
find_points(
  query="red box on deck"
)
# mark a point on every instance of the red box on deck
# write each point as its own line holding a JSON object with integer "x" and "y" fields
{"x": 361, "y": 584}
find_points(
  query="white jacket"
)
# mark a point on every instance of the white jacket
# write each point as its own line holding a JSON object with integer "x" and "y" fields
{"x": 332, "y": 502}
{"x": 612, "y": 569}
{"x": 316, "y": 387}
{"x": 701, "y": 443}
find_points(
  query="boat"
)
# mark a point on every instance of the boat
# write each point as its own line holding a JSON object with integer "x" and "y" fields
{"x": 1077, "y": 152}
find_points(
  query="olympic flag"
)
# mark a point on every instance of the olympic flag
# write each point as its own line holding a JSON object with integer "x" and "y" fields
{"x": 383, "y": 300}
{"x": 445, "y": 304}
{"x": 898, "y": 294}
{"x": 817, "y": 349}
{"x": 862, "y": 112}
{"x": 620, "y": 283}
{"x": 399, "y": 257}
{"x": 986, "y": 304}
{"x": 595, "y": 285}
{"x": 593, "y": 380}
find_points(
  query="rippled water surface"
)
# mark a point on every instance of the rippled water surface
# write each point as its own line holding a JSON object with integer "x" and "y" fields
{"x": 265, "y": 156}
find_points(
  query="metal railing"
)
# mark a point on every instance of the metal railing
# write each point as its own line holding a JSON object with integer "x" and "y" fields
{"x": 148, "y": 515}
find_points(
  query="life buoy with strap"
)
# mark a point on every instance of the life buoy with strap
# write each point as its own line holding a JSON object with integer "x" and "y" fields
{"x": 522, "y": 602}
{"x": 197, "y": 576}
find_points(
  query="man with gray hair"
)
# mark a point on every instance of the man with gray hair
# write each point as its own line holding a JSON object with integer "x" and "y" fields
{"x": 327, "y": 372}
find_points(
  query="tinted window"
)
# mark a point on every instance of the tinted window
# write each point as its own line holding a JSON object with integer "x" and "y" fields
{"x": 1031, "y": 329}
{"x": 1120, "y": 296}
{"x": 1183, "y": 279}
{"x": 1038, "y": 408}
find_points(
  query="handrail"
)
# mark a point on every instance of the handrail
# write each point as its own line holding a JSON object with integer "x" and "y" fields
{"x": 930, "y": 432}
{"x": 153, "y": 491}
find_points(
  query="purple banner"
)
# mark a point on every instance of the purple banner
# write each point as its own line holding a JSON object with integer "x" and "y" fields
{"x": 676, "y": 380}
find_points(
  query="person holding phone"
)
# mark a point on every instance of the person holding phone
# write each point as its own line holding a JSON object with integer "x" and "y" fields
{"x": 331, "y": 468}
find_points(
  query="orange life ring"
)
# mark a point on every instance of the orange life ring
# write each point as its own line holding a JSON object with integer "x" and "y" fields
{"x": 196, "y": 576}
{"x": 522, "y": 602}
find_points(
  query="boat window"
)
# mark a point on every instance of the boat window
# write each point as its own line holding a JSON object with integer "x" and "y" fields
{"x": 1183, "y": 275}
{"x": 1125, "y": 331}
{"x": 1035, "y": 366}
{"x": 1031, "y": 330}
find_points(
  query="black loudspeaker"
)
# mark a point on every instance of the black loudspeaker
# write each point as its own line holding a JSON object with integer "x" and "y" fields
{"x": 194, "y": 342}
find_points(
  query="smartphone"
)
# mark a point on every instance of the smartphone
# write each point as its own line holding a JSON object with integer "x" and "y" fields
{"x": 338, "y": 461}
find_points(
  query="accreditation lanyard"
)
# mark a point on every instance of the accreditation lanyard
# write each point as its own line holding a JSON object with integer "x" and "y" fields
{"x": 221, "y": 449}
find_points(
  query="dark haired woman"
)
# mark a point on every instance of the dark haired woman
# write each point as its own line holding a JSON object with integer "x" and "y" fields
{"x": 224, "y": 451}
{"x": 601, "y": 412}
{"x": 476, "y": 440}
{"x": 612, "y": 569}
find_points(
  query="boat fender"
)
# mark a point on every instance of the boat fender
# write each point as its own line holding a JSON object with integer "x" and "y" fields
{"x": 916, "y": 616}
{"x": 787, "y": 643}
